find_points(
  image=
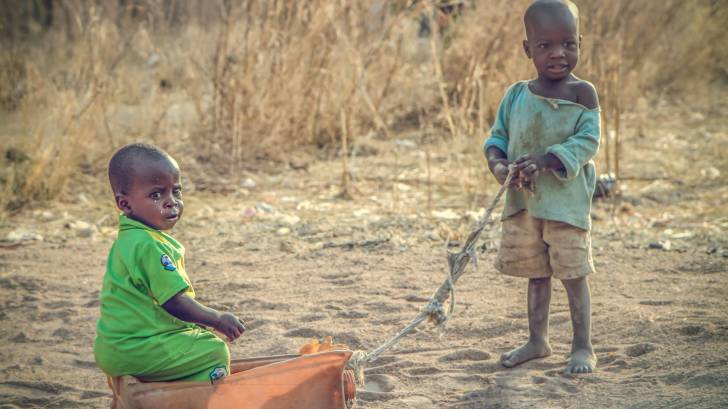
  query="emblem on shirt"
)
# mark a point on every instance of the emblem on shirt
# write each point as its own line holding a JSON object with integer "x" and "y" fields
{"x": 167, "y": 263}
{"x": 218, "y": 373}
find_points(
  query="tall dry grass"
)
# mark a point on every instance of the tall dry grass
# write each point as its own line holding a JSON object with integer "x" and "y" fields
{"x": 226, "y": 81}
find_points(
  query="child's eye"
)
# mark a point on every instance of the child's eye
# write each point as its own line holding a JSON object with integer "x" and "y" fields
{"x": 155, "y": 196}
{"x": 542, "y": 45}
{"x": 177, "y": 192}
{"x": 570, "y": 44}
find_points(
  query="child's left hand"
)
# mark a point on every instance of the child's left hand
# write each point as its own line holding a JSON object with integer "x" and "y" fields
{"x": 527, "y": 168}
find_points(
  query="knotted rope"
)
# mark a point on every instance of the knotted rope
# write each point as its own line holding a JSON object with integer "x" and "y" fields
{"x": 433, "y": 311}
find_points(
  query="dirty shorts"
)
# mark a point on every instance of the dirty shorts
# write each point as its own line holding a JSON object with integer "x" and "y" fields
{"x": 538, "y": 248}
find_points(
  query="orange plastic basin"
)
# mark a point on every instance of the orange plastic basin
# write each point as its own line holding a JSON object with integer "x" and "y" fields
{"x": 316, "y": 381}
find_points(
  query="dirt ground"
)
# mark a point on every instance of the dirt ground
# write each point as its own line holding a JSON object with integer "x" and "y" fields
{"x": 282, "y": 249}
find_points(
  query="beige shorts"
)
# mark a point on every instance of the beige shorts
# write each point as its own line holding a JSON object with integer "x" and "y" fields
{"x": 537, "y": 248}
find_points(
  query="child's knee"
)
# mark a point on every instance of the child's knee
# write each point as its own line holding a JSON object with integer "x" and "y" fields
{"x": 221, "y": 353}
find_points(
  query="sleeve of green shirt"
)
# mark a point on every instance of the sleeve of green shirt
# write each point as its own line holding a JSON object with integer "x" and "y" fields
{"x": 163, "y": 283}
{"x": 579, "y": 148}
{"x": 499, "y": 130}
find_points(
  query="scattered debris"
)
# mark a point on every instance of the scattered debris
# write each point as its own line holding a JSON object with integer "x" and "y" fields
{"x": 660, "y": 245}
{"x": 83, "y": 229}
{"x": 248, "y": 183}
{"x": 264, "y": 207}
{"x": 20, "y": 236}
{"x": 447, "y": 214}
{"x": 605, "y": 186}
{"x": 710, "y": 173}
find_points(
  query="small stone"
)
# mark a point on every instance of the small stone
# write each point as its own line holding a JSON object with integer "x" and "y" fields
{"x": 20, "y": 338}
{"x": 287, "y": 219}
{"x": 249, "y": 212}
{"x": 447, "y": 214}
{"x": 432, "y": 236}
{"x": 264, "y": 207}
{"x": 660, "y": 245}
{"x": 46, "y": 216}
{"x": 283, "y": 231}
{"x": 83, "y": 229}
{"x": 248, "y": 183}
{"x": 710, "y": 173}
{"x": 22, "y": 235}
{"x": 406, "y": 143}
{"x": 361, "y": 213}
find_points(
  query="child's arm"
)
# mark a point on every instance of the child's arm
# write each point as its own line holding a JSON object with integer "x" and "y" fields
{"x": 187, "y": 309}
{"x": 496, "y": 145}
{"x": 497, "y": 163}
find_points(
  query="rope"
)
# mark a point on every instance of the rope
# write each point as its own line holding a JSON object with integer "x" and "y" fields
{"x": 433, "y": 311}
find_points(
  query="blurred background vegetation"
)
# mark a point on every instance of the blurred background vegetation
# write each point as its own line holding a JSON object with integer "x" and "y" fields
{"x": 223, "y": 84}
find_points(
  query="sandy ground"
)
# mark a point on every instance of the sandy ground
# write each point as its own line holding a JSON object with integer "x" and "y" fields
{"x": 295, "y": 262}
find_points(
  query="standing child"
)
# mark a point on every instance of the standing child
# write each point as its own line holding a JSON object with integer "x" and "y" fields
{"x": 151, "y": 326}
{"x": 548, "y": 129}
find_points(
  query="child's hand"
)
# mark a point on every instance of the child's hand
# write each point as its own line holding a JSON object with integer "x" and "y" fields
{"x": 230, "y": 326}
{"x": 528, "y": 166}
{"x": 499, "y": 168}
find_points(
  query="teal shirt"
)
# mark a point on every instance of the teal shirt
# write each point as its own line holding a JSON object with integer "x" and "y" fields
{"x": 531, "y": 124}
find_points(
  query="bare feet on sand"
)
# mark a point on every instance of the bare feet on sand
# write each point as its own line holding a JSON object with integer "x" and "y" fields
{"x": 531, "y": 350}
{"x": 581, "y": 361}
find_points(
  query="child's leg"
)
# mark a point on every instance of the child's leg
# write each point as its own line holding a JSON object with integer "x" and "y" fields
{"x": 195, "y": 355}
{"x": 539, "y": 298}
{"x": 582, "y": 358}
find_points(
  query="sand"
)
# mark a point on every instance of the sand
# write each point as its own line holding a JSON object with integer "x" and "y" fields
{"x": 295, "y": 262}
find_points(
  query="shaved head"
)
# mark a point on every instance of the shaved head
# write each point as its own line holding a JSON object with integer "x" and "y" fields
{"x": 541, "y": 11}
{"x": 127, "y": 159}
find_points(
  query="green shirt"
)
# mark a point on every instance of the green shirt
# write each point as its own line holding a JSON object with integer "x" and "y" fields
{"x": 144, "y": 270}
{"x": 531, "y": 124}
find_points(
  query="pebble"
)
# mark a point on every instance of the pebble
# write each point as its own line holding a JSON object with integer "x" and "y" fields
{"x": 83, "y": 229}
{"x": 660, "y": 245}
{"x": 249, "y": 212}
{"x": 22, "y": 235}
{"x": 248, "y": 183}
{"x": 264, "y": 207}
{"x": 710, "y": 173}
{"x": 287, "y": 219}
{"x": 447, "y": 214}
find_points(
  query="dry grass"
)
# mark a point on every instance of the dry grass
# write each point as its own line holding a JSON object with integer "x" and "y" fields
{"x": 233, "y": 80}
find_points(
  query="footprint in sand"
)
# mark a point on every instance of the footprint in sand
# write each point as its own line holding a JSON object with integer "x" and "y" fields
{"x": 423, "y": 371}
{"x": 352, "y": 314}
{"x": 379, "y": 383}
{"x": 466, "y": 355}
{"x": 639, "y": 349}
{"x": 303, "y": 333}
{"x": 692, "y": 330}
{"x": 377, "y": 387}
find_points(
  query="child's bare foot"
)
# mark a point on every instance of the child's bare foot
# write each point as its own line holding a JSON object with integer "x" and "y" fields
{"x": 581, "y": 361}
{"x": 530, "y": 350}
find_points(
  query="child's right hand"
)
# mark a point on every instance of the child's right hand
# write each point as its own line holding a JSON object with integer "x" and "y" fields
{"x": 499, "y": 168}
{"x": 230, "y": 326}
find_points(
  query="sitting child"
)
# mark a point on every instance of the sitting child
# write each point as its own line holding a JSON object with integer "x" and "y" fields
{"x": 548, "y": 128}
{"x": 151, "y": 327}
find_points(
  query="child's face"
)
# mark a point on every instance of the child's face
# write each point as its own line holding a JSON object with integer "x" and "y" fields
{"x": 553, "y": 45}
{"x": 155, "y": 195}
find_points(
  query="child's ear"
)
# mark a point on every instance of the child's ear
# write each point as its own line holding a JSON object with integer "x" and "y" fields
{"x": 122, "y": 202}
{"x": 526, "y": 49}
